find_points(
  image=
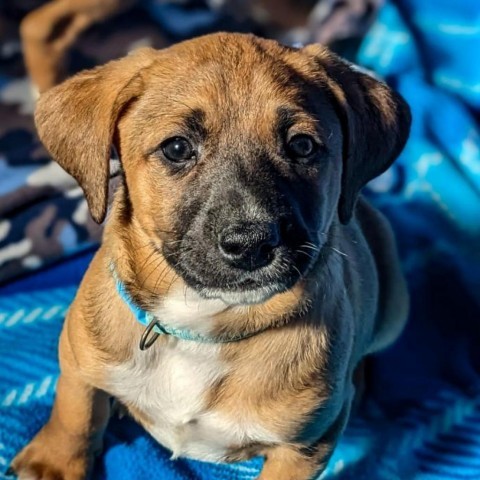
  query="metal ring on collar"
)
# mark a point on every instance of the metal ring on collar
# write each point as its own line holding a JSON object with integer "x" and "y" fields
{"x": 145, "y": 341}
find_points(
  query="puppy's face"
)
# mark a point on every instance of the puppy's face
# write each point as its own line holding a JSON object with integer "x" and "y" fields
{"x": 233, "y": 166}
{"x": 234, "y": 153}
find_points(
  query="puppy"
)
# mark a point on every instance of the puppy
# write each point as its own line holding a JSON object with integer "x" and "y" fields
{"x": 236, "y": 236}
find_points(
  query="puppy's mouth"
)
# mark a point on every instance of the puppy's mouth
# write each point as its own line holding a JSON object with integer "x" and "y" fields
{"x": 248, "y": 292}
{"x": 246, "y": 296}
{"x": 208, "y": 276}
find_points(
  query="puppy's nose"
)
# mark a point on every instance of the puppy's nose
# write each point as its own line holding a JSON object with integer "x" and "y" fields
{"x": 249, "y": 245}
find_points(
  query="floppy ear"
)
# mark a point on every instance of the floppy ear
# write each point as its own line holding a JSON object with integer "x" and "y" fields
{"x": 76, "y": 122}
{"x": 375, "y": 124}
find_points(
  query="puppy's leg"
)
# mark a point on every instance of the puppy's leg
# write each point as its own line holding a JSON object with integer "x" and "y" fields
{"x": 394, "y": 302}
{"x": 290, "y": 462}
{"x": 48, "y": 32}
{"x": 66, "y": 445}
{"x": 287, "y": 463}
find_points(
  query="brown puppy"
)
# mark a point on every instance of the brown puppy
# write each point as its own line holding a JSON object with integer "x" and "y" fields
{"x": 237, "y": 228}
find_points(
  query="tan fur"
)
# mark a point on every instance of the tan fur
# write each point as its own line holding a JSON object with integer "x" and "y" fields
{"x": 301, "y": 362}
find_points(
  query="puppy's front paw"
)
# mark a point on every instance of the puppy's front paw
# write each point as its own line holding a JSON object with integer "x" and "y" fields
{"x": 51, "y": 457}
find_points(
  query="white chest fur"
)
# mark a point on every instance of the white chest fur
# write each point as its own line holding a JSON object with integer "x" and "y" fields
{"x": 183, "y": 308}
{"x": 170, "y": 385}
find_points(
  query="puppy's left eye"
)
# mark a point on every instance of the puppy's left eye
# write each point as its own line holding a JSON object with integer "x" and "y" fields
{"x": 177, "y": 149}
{"x": 301, "y": 146}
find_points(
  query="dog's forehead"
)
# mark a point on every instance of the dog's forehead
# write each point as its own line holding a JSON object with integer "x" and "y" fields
{"x": 227, "y": 83}
{"x": 229, "y": 49}
{"x": 225, "y": 70}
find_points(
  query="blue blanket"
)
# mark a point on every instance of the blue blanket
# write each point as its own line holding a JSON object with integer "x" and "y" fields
{"x": 421, "y": 418}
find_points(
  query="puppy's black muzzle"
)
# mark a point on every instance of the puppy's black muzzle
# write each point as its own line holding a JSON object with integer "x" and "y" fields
{"x": 249, "y": 245}
{"x": 244, "y": 231}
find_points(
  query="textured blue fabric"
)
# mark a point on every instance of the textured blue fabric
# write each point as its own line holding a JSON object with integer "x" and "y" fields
{"x": 411, "y": 422}
{"x": 421, "y": 418}
{"x": 426, "y": 51}
{"x": 429, "y": 382}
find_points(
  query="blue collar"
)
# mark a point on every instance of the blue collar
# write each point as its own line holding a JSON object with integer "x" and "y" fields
{"x": 154, "y": 328}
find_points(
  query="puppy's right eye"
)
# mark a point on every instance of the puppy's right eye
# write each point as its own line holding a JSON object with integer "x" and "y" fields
{"x": 177, "y": 150}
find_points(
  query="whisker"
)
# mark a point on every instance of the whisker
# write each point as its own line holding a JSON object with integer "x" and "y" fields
{"x": 161, "y": 276}
{"x": 175, "y": 277}
{"x": 173, "y": 242}
{"x": 153, "y": 261}
{"x": 161, "y": 260}
{"x": 297, "y": 270}
{"x": 311, "y": 246}
{"x": 299, "y": 250}
{"x": 165, "y": 231}
{"x": 338, "y": 251}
